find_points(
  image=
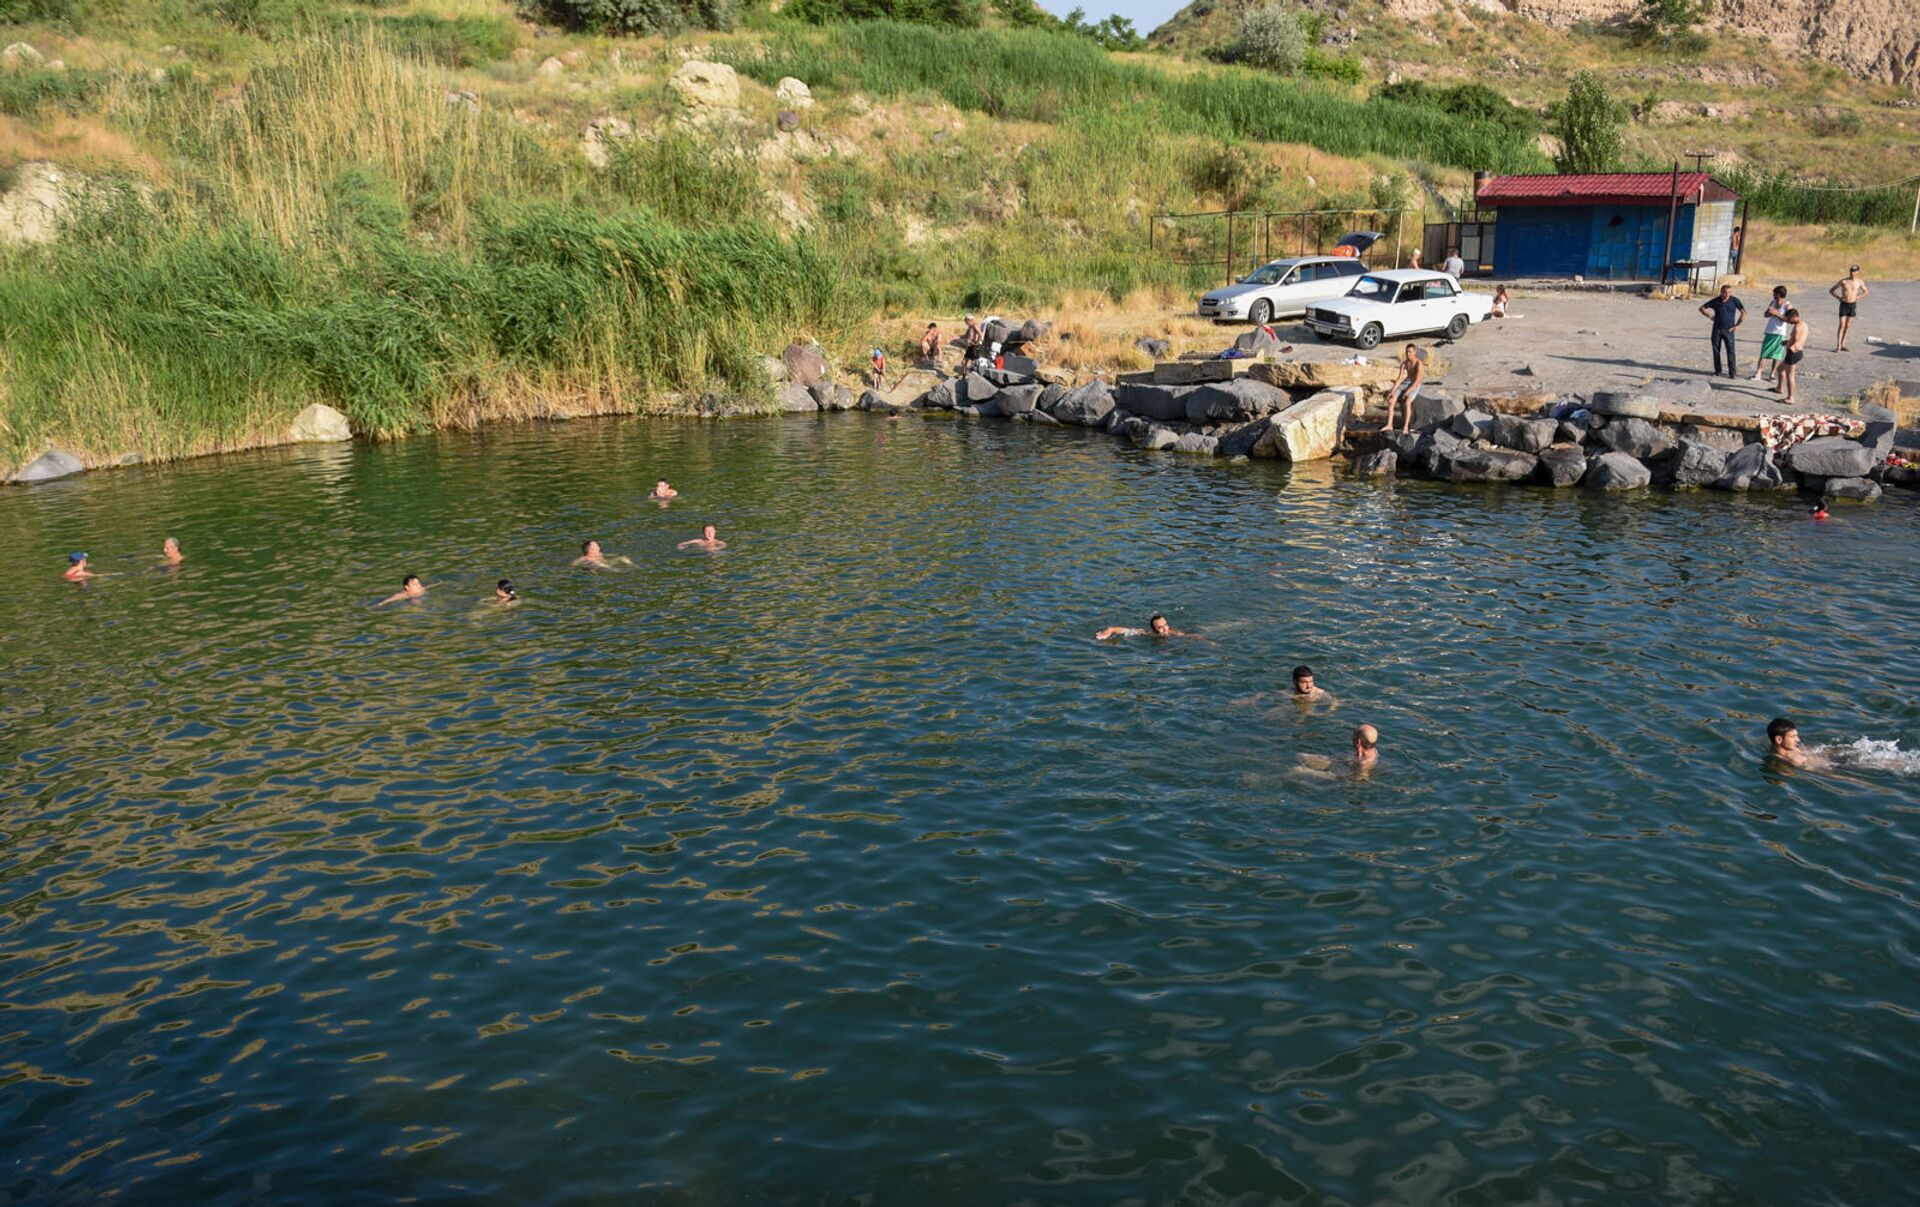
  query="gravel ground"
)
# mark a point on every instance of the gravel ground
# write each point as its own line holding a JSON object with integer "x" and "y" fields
{"x": 1581, "y": 342}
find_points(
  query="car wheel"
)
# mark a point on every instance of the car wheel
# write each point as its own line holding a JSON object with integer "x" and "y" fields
{"x": 1369, "y": 336}
{"x": 1458, "y": 327}
{"x": 1261, "y": 314}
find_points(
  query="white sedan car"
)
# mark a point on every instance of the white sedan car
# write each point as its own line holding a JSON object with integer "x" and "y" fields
{"x": 1403, "y": 301}
{"x": 1281, "y": 289}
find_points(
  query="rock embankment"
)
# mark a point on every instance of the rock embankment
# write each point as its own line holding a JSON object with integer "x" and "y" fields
{"x": 1617, "y": 441}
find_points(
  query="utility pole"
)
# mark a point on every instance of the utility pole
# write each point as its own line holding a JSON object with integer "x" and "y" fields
{"x": 1915, "y": 224}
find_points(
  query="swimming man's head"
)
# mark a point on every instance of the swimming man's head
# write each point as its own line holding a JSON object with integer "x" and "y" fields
{"x": 1365, "y": 741}
{"x": 1302, "y": 680}
{"x": 504, "y": 590}
{"x": 1158, "y": 624}
{"x": 590, "y": 549}
{"x": 1783, "y": 735}
{"x": 707, "y": 532}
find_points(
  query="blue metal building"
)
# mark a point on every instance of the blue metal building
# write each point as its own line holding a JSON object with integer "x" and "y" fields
{"x": 1613, "y": 226}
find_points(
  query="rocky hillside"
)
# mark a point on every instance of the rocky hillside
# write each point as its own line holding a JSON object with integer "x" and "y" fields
{"x": 1872, "y": 40}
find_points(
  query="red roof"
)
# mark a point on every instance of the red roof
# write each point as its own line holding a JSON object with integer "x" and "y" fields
{"x": 1604, "y": 188}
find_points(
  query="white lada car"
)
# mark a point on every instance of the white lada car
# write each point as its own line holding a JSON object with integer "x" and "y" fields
{"x": 1402, "y": 301}
{"x": 1281, "y": 289}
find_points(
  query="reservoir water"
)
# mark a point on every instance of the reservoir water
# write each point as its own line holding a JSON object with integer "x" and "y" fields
{"x": 842, "y": 866}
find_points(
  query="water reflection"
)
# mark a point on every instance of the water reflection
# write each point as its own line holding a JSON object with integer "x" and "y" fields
{"x": 845, "y": 864}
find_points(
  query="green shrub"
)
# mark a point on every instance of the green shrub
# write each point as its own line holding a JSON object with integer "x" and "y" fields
{"x": 1820, "y": 202}
{"x": 25, "y": 92}
{"x": 1472, "y": 102}
{"x": 1588, "y": 125}
{"x": 454, "y": 41}
{"x": 1329, "y": 66}
{"x": 19, "y": 12}
{"x": 1270, "y": 36}
{"x": 966, "y": 14}
{"x": 638, "y": 16}
{"x": 683, "y": 178}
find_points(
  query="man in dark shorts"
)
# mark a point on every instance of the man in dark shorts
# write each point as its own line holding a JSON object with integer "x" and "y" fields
{"x": 1727, "y": 314}
{"x": 1848, "y": 290}
{"x": 1788, "y": 379}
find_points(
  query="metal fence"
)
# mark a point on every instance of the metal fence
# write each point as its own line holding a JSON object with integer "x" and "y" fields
{"x": 1235, "y": 240}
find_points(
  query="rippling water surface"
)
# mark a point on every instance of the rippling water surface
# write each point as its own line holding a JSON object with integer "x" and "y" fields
{"x": 843, "y": 866}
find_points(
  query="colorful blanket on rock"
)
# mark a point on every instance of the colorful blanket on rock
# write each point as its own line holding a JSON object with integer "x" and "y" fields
{"x": 1782, "y": 432}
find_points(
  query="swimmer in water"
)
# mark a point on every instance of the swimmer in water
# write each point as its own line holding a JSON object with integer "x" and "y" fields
{"x": 706, "y": 540}
{"x": 504, "y": 594}
{"x": 410, "y": 589}
{"x": 663, "y": 492}
{"x": 1304, "y": 692}
{"x": 591, "y": 558}
{"x": 1157, "y": 626}
{"x": 1366, "y": 753}
{"x": 1820, "y": 510}
{"x": 1783, "y": 743}
{"x": 170, "y": 551}
{"x": 77, "y": 568}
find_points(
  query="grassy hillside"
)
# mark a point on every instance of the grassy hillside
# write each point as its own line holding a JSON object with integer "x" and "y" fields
{"x": 388, "y": 208}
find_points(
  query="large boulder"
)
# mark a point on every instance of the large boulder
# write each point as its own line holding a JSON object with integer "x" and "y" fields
{"x": 1309, "y": 429}
{"x": 1863, "y": 489}
{"x": 1256, "y": 342}
{"x": 1158, "y": 349}
{"x": 1405, "y": 445}
{"x": 1006, "y": 377}
{"x": 1018, "y": 400}
{"x": 319, "y": 424}
{"x": 1472, "y": 425}
{"x": 1373, "y": 376}
{"x": 1379, "y": 463}
{"x": 1196, "y": 442}
{"x": 1635, "y": 437}
{"x": 832, "y": 396}
{"x": 1695, "y": 464}
{"x": 41, "y": 197}
{"x": 1561, "y": 465}
{"x": 599, "y": 134}
{"x": 1153, "y": 437}
{"x": 1616, "y": 471}
{"x": 50, "y": 465}
{"x": 20, "y": 55}
{"x": 703, "y": 85}
{"x": 1476, "y": 463}
{"x": 1084, "y": 406}
{"x": 1166, "y": 403}
{"x": 1241, "y": 441}
{"x": 1432, "y": 410}
{"x": 806, "y": 363}
{"x": 1750, "y": 468}
{"x": 1435, "y": 446}
{"x": 1624, "y": 404}
{"x": 1831, "y": 457}
{"x": 1878, "y": 438}
{"x": 795, "y": 398}
{"x": 1237, "y": 400}
{"x": 1726, "y": 439}
{"x": 1524, "y": 433}
{"x": 793, "y": 94}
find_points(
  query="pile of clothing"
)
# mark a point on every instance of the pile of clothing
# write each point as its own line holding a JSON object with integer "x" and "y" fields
{"x": 1781, "y": 432}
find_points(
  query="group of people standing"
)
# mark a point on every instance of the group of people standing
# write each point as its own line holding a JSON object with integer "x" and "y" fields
{"x": 1783, "y": 341}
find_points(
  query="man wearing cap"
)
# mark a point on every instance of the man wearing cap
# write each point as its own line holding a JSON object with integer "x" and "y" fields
{"x": 1849, "y": 290}
{"x": 77, "y": 568}
{"x": 1727, "y": 314}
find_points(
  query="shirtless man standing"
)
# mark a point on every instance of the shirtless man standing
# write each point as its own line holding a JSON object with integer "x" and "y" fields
{"x": 1413, "y": 371}
{"x": 1783, "y": 743}
{"x": 1157, "y": 626}
{"x": 1848, "y": 290}
{"x": 1787, "y": 380}
{"x": 708, "y": 539}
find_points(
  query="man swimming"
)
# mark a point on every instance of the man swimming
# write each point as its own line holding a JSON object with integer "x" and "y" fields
{"x": 1157, "y": 626}
{"x": 504, "y": 594}
{"x": 663, "y": 492}
{"x": 706, "y": 540}
{"x": 1366, "y": 749}
{"x": 410, "y": 589}
{"x": 77, "y": 568}
{"x": 170, "y": 551}
{"x": 1303, "y": 689}
{"x": 1783, "y": 743}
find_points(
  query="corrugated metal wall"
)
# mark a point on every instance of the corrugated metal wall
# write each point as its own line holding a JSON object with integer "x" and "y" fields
{"x": 1598, "y": 242}
{"x": 1542, "y": 241}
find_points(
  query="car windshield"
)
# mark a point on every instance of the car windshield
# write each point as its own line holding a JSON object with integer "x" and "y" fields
{"x": 1374, "y": 289}
{"x": 1267, "y": 274}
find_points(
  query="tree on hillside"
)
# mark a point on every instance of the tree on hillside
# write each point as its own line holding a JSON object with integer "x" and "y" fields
{"x": 1588, "y": 125}
{"x": 1666, "y": 20}
{"x": 638, "y": 16}
{"x": 1272, "y": 36}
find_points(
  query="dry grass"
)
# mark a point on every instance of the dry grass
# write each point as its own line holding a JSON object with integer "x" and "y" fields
{"x": 78, "y": 142}
{"x": 1820, "y": 255}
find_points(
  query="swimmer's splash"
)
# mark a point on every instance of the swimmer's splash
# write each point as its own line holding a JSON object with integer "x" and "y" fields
{"x": 1876, "y": 754}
